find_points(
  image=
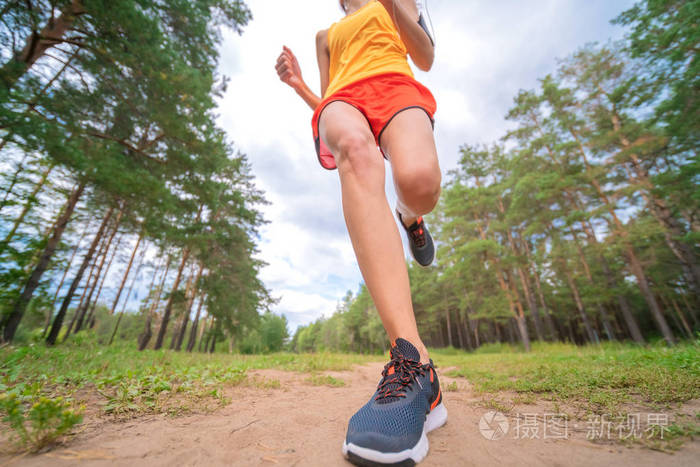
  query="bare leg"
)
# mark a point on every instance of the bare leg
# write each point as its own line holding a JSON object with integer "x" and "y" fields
{"x": 369, "y": 219}
{"x": 409, "y": 144}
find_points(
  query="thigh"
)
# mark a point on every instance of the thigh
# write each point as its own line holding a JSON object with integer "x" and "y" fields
{"x": 408, "y": 143}
{"x": 341, "y": 124}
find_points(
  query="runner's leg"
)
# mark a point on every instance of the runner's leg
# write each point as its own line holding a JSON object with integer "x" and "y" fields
{"x": 369, "y": 219}
{"x": 410, "y": 147}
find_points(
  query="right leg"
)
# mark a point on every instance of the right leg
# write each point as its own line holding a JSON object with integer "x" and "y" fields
{"x": 369, "y": 219}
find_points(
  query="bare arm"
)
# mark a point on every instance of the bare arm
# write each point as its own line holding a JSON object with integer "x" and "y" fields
{"x": 290, "y": 73}
{"x": 323, "y": 56}
{"x": 404, "y": 13}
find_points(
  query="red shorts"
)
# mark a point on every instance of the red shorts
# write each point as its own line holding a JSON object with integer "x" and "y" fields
{"x": 379, "y": 98}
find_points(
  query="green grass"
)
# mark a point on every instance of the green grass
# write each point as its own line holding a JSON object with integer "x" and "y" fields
{"x": 597, "y": 378}
{"x": 120, "y": 381}
{"x": 325, "y": 380}
{"x": 609, "y": 379}
{"x": 123, "y": 382}
{"x": 451, "y": 387}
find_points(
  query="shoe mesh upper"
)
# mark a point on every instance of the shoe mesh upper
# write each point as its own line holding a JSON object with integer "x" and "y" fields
{"x": 403, "y": 418}
{"x": 395, "y": 423}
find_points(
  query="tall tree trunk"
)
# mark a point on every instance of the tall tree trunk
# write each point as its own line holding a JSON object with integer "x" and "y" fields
{"x": 20, "y": 305}
{"x": 611, "y": 281}
{"x": 632, "y": 260}
{"x": 570, "y": 330}
{"x": 447, "y": 319}
{"x": 522, "y": 330}
{"x": 147, "y": 333}
{"x": 513, "y": 300}
{"x": 39, "y": 42}
{"x": 90, "y": 284}
{"x": 148, "y": 303}
{"x": 213, "y": 337}
{"x": 188, "y": 310}
{"x": 467, "y": 329}
{"x": 532, "y": 304}
{"x": 126, "y": 274}
{"x": 607, "y": 324}
{"x": 619, "y": 231}
{"x": 86, "y": 287}
{"x": 681, "y": 316}
{"x": 204, "y": 338}
{"x": 692, "y": 312}
{"x": 13, "y": 181}
{"x": 497, "y": 332}
{"x": 592, "y": 336}
{"x": 169, "y": 304}
{"x": 195, "y": 325}
{"x": 183, "y": 318}
{"x": 58, "y": 321}
{"x": 128, "y": 295}
{"x": 674, "y": 318}
{"x": 656, "y": 312}
{"x": 587, "y": 270}
{"x": 82, "y": 311}
{"x": 30, "y": 201}
{"x": 460, "y": 337}
{"x": 625, "y": 308}
{"x": 519, "y": 314}
{"x": 60, "y": 284}
{"x": 90, "y": 318}
{"x": 545, "y": 309}
{"x": 511, "y": 331}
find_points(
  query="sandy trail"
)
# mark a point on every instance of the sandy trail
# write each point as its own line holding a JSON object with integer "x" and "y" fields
{"x": 301, "y": 424}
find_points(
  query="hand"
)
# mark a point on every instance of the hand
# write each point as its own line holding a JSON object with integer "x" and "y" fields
{"x": 288, "y": 69}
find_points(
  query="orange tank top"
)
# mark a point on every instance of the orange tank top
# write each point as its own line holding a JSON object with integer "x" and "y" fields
{"x": 363, "y": 44}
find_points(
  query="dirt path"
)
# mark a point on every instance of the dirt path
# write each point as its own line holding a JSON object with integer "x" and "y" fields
{"x": 301, "y": 424}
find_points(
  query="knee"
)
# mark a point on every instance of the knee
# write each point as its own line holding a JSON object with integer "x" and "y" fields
{"x": 357, "y": 154}
{"x": 420, "y": 189}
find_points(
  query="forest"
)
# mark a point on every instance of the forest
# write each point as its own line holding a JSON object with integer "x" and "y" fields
{"x": 581, "y": 224}
{"x": 578, "y": 225}
{"x": 114, "y": 171}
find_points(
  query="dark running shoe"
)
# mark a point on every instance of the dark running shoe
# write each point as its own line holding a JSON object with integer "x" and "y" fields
{"x": 422, "y": 246}
{"x": 391, "y": 428}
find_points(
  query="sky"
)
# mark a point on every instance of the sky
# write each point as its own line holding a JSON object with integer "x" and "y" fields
{"x": 485, "y": 52}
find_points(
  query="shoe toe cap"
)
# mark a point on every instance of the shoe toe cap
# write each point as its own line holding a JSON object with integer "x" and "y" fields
{"x": 390, "y": 429}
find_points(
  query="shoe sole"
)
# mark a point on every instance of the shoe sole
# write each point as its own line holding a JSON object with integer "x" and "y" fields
{"x": 408, "y": 457}
{"x": 430, "y": 264}
{"x": 425, "y": 266}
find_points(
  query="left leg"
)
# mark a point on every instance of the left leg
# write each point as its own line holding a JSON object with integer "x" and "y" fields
{"x": 370, "y": 223}
{"x": 392, "y": 428}
{"x": 409, "y": 145}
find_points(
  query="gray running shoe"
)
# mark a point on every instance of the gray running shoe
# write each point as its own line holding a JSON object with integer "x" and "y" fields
{"x": 420, "y": 241}
{"x": 391, "y": 428}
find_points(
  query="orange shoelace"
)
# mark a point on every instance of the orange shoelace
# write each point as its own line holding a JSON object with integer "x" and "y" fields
{"x": 405, "y": 372}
